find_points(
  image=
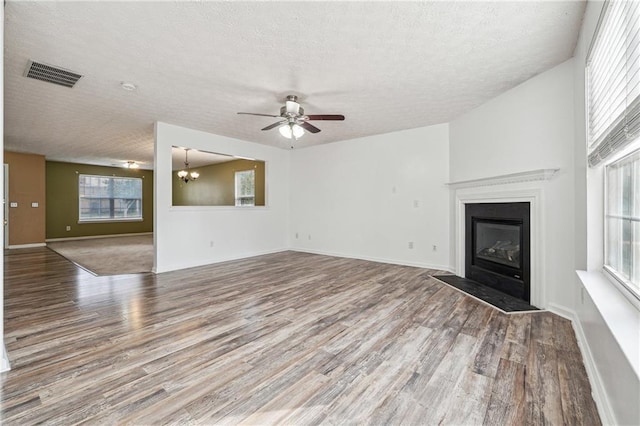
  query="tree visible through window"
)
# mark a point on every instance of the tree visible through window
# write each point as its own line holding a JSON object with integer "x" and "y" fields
{"x": 245, "y": 188}
{"x": 106, "y": 198}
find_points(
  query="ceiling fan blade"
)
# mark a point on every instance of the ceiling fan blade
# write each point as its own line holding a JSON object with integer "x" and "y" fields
{"x": 274, "y": 125}
{"x": 261, "y": 115}
{"x": 309, "y": 127}
{"x": 326, "y": 117}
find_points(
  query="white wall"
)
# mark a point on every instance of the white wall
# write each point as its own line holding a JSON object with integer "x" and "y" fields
{"x": 603, "y": 316}
{"x": 4, "y": 359}
{"x": 527, "y": 128}
{"x": 192, "y": 236}
{"x": 357, "y": 198}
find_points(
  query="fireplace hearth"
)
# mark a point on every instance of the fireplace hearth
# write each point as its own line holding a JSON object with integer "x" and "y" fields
{"x": 497, "y": 246}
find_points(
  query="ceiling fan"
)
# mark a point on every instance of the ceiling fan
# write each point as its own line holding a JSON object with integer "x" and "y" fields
{"x": 293, "y": 122}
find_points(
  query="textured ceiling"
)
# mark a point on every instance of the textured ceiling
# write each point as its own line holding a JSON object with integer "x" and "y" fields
{"x": 386, "y": 66}
{"x": 197, "y": 158}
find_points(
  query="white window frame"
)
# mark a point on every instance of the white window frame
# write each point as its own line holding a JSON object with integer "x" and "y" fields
{"x": 109, "y": 219}
{"x": 238, "y": 195}
{"x": 612, "y": 76}
{"x": 623, "y": 283}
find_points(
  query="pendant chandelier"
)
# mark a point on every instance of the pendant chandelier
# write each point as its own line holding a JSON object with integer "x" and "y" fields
{"x": 185, "y": 175}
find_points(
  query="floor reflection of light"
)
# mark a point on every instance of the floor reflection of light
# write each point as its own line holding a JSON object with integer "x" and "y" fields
{"x": 128, "y": 293}
{"x": 107, "y": 288}
{"x": 133, "y": 313}
{"x": 117, "y": 290}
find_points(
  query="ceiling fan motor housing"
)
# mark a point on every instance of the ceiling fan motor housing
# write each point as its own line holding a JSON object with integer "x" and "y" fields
{"x": 291, "y": 109}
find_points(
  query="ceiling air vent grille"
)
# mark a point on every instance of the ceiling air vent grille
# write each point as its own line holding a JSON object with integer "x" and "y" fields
{"x": 51, "y": 74}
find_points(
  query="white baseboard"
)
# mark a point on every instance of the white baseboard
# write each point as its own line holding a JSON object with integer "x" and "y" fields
{"x": 598, "y": 391}
{"x": 91, "y": 237}
{"x": 562, "y": 311}
{"x": 446, "y": 268}
{"x": 324, "y": 253}
{"x": 4, "y": 360}
{"x": 177, "y": 267}
{"x": 22, "y": 246}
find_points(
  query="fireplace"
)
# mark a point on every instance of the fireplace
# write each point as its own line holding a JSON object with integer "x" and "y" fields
{"x": 497, "y": 246}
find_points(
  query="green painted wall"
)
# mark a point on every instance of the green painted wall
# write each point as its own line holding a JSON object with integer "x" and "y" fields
{"x": 216, "y": 184}
{"x": 62, "y": 201}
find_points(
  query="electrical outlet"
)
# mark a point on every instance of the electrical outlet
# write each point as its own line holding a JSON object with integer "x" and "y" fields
{"x": 411, "y": 244}
{"x": 68, "y": 228}
{"x": 435, "y": 247}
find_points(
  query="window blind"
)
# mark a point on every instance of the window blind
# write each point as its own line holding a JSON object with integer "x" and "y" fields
{"x": 613, "y": 80}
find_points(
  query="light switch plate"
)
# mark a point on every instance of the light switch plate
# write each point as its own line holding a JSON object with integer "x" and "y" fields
{"x": 34, "y": 205}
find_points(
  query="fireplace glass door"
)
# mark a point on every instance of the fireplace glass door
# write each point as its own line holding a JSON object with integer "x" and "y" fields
{"x": 497, "y": 246}
{"x": 498, "y": 242}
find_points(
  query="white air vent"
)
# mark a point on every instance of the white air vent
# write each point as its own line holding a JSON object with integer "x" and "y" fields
{"x": 51, "y": 74}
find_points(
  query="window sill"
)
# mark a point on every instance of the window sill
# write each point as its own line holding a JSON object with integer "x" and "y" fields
{"x": 80, "y": 222}
{"x": 218, "y": 208}
{"x": 620, "y": 315}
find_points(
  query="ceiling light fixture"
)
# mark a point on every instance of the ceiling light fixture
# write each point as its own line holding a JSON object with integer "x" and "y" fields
{"x": 185, "y": 175}
{"x": 132, "y": 165}
{"x": 290, "y": 130}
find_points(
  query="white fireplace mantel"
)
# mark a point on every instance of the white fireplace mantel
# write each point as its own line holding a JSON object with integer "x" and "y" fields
{"x": 528, "y": 176}
{"x": 517, "y": 187}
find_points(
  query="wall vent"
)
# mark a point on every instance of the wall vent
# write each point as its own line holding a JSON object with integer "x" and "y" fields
{"x": 52, "y": 74}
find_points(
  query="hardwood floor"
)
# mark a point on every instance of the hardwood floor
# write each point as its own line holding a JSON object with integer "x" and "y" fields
{"x": 285, "y": 338}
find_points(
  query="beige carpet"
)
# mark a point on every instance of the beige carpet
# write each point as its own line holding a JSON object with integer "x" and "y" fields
{"x": 109, "y": 256}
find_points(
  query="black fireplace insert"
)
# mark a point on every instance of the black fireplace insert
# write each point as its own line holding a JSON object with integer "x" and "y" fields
{"x": 497, "y": 245}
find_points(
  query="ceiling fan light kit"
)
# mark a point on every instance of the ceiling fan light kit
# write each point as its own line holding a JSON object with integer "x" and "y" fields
{"x": 294, "y": 122}
{"x": 291, "y": 130}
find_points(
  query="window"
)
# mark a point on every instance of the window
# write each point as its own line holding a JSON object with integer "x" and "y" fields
{"x": 109, "y": 198}
{"x": 613, "y": 129}
{"x": 622, "y": 217}
{"x": 613, "y": 81}
{"x": 245, "y": 188}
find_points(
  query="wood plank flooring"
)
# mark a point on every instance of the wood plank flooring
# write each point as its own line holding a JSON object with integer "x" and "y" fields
{"x": 288, "y": 338}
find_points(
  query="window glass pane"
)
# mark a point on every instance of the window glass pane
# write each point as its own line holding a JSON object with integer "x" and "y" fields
{"x": 613, "y": 236}
{"x": 245, "y": 188}
{"x": 109, "y": 198}
{"x": 625, "y": 262}
{"x": 622, "y": 227}
{"x": 635, "y": 176}
{"x": 635, "y": 270}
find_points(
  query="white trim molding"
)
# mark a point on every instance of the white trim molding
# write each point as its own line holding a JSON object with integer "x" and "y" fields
{"x": 23, "y": 246}
{"x": 4, "y": 360}
{"x": 534, "y": 196}
{"x": 598, "y": 390}
{"x": 528, "y": 176}
{"x": 424, "y": 265}
{"x": 91, "y": 237}
{"x": 187, "y": 265}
